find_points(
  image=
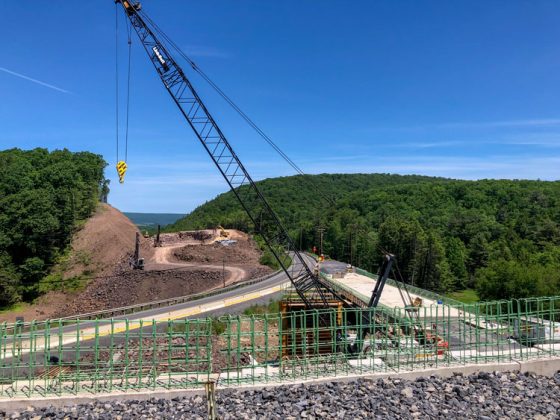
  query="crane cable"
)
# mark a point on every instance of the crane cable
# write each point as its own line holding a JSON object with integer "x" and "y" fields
{"x": 243, "y": 115}
{"x": 128, "y": 88}
{"x": 121, "y": 164}
{"x": 117, "y": 79}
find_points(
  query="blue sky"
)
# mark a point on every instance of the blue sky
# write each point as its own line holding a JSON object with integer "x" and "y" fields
{"x": 463, "y": 89}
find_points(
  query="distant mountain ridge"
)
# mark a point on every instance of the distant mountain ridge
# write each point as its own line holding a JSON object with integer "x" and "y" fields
{"x": 153, "y": 219}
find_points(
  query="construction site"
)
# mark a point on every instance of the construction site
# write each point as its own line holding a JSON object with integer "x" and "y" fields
{"x": 180, "y": 348}
{"x": 176, "y": 311}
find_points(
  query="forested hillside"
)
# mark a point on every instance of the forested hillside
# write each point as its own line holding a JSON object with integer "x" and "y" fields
{"x": 43, "y": 195}
{"x": 500, "y": 236}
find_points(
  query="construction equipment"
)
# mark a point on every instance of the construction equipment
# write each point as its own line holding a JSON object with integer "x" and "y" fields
{"x": 384, "y": 271}
{"x": 310, "y": 288}
{"x": 157, "y": 240}
{"x": 136, "y": 262}
{"x": 425, "y": 336}
{"x": 223, "y": 232}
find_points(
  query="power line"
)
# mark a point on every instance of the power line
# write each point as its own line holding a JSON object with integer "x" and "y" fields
{"x": 128, "y": 89}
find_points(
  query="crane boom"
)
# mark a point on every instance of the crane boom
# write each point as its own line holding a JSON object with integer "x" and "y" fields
{"x": 307, "y": 284}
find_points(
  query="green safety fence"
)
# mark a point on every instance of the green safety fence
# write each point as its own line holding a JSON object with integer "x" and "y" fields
{"x": 100, "y": 356}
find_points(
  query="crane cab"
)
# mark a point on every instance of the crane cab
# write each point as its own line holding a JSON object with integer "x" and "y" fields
{"x": 129, "y": 7}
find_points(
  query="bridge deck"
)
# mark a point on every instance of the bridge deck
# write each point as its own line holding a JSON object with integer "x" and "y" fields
{"x": 361, "y": 287}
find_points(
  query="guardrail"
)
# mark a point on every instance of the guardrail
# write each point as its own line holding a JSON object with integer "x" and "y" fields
{"x": 126, "y": 310}
{"x": 130, "y": 355}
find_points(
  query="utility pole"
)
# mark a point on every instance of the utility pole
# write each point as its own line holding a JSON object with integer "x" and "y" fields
{"x": 351, "y": 251}
{"x": 224, "y": 270}
{"x": 137, "y": 262}
{"x": 137, "y": 249}
{"x": 157, "y": 236}
{"x": 320, "y": 230}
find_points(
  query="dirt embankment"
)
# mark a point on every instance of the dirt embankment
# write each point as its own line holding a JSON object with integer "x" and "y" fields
{"x": 102, "y": 247}
{"x": 107, "y": 242}
{"x": 134, "y": 287}
{"x": 186, "y": 263}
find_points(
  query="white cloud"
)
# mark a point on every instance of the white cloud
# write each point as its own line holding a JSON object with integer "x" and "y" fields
{"x": 521, "y": 124}
{"x": 543, "y": 122}
{"x": 496, "y": 166}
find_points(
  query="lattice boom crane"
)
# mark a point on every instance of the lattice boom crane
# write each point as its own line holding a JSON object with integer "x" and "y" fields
{"x": 307, "y": 284}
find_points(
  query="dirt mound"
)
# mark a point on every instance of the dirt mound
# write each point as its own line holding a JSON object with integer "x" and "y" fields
{"x": 242, "y": 251}
{"x": 187, "y": 236}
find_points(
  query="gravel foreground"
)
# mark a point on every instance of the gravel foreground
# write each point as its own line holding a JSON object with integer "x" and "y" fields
{"x": 482, "y": 396}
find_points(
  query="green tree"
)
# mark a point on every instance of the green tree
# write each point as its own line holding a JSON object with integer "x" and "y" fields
{"x": 42, "y": 197}
{"x": 434, "y": 272}
{"x": 456, "y": 254}
{"x": 427, "y": 223}
{"x": 405, "y": 239}
{"x": 10, "y": 292}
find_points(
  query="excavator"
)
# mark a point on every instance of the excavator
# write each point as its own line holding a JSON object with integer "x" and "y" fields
{"x": 223, "y": 232}
{"x": 311, "y": 289}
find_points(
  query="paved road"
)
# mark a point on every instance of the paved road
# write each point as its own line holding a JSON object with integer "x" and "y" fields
{"x": 103, "y": 333}
{"x": 229, "y": 302}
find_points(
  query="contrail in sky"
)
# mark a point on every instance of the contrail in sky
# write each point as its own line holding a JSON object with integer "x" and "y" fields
{"x": 33, "y": 80}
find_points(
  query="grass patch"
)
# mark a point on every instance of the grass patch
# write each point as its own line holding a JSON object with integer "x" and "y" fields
{"x": 267, "y": 258}
{"x": 179, "y": 328}
{"x": 55, "y": 282}
{"x": 218, "y": 327}
{"x": 465, "y": 296}
{"x": 83, "y": 258}
{"x": 14, "y": 308}
{"x": 273, "y": 307}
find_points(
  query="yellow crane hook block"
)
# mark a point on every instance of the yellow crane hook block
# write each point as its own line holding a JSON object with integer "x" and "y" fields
{"x": 121, "y": 170}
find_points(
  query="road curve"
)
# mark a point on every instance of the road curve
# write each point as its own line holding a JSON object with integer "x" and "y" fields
{"x": 163, "y": 257}
{"x": 230, "y": 301}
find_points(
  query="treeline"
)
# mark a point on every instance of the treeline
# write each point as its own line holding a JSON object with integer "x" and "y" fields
{"x": 501, "y": 237}
{"x": 43, "y": 195}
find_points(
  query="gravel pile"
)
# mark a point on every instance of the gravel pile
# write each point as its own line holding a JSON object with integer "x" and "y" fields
{"x": 135, "y": 287}
{"x": 479, "y": 396}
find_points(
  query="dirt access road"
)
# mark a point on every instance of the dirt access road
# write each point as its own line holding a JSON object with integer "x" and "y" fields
{"x": 187, "y": 263}
{"x": 173, "y": 247}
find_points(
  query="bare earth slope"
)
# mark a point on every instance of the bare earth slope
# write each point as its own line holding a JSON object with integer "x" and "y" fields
{"x": 187, "y": 263}
{"x": 107, "y": 240}
{"x": 102, "y": 245}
